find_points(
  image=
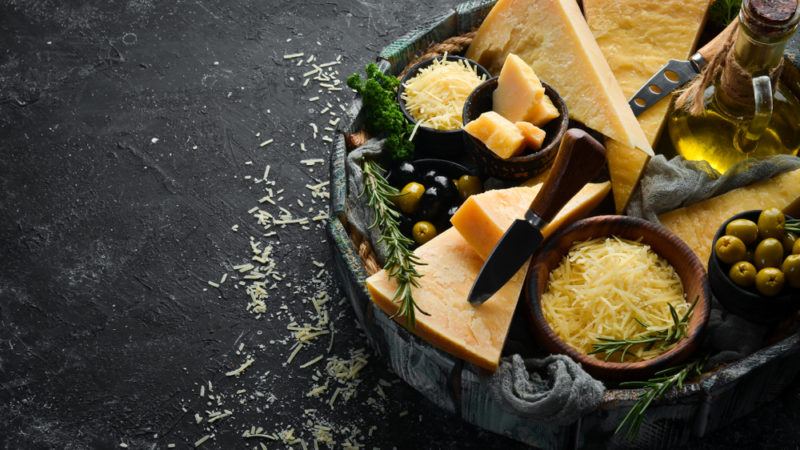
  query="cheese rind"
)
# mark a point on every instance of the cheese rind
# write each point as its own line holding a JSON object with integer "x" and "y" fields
{"x": 482, "y": 219}
{"x": 518, "y": 91}
{"x": 696, "y": 224}
{"x": 499, "y": 134}
{"x": 554, "y": 39}
{"x": 649, "y": 32}
{"x": 473, "y": 333}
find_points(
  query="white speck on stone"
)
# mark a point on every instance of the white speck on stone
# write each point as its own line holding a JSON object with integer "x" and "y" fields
{"x": 154, "y": 140}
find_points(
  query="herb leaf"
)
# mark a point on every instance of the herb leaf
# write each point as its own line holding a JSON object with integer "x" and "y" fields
{"x": 383, "y": 115}
{"x": 401, "y": 262}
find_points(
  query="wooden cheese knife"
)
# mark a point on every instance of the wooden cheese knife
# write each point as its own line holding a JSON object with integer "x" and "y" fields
{"x": 676, "y": 73}
{"x": 579, "y": 160}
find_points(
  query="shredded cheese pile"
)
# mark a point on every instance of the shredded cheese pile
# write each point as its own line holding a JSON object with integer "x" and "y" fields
{"x": 435, "y": 96}
{"x": 603, "y": 286}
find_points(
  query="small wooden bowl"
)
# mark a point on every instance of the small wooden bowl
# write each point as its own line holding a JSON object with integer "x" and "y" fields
{"x": 665, "y": 244}
{"x": 430, "y": 142}
{"x": 521, "y": 167}
{"x": 748, "y": 303}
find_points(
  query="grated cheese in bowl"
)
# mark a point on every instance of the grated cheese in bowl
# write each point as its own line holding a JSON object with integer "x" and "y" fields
{"x": 435, "y": 96}
{"x": 609, "y": 287}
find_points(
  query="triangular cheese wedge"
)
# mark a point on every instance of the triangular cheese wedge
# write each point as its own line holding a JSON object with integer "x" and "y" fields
{"x": 553, "y": 37}
{"x": 473, "y": 333}
{"x": 649, "y": 32}
{"x": 483, "y": 218}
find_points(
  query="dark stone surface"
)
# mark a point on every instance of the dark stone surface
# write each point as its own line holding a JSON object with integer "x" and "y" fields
{"x": 108, "y": 236}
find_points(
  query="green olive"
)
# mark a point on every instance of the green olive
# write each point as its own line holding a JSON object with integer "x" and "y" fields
{"x": 730, "y": 249}
{"x": 744, "y": 229}
{"x": 468, "y": 185}
{"x": 796, "y": 247}
{"x": 788, "y": 243}
{"x": 409, "y": 197}
{"x": 791, "y": 270}
{"x": 769, "y": 281}
{"x": 423, "y": 231}
{"x": 771, "y": 223}
{"x": 769, "y": 253}
{"x": 743, "y": 274}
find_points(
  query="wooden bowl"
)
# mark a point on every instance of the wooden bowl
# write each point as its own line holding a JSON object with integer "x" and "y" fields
{"x": 521, "y": 167}
{"x": 430, "y": 142}
{"x": 748, "y": 303}
{"x": 665, "y": 244}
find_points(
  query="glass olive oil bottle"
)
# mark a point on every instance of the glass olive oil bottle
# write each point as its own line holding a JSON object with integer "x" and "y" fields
{"x": 748, "y": 112}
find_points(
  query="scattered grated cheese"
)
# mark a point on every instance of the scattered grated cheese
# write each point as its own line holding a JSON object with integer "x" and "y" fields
{"x": 202, "y": 440}
{"x": 240, "y": 369}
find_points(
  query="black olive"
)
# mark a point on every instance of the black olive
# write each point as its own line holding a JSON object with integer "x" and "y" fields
{"x": 406, "y": 224}
{"x": 432, "y": 204}
{"x": 429, "y": 177}
{"x": 446, "y": 187}
{"x": 402, "y": 174}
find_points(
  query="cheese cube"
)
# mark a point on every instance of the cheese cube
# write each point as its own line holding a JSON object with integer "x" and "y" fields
{"x": 482, "y": 219}
{"x": 518, "y": 92}
{"x": 543, "y": 112}
{"x": 534, "y": 136}
{"x": 497, "y": 133}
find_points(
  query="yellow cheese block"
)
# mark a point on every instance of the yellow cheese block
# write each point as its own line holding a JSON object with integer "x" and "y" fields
{"x": 625, "y": 168}
{"x": 554, "y": 39}
{"x": 483, "y": 218}
{"x": 637, "y": 37}
{"x": 534, "y": 136}
{"x": 696, "y": 224}
{"x": 473, "y": 333}
{"x": 518, "y": 91}
{"x": 499, "y": 134}
{"x": 543, "y": 112}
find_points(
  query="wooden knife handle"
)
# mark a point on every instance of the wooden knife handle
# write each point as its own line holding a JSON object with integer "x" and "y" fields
{"x": 713, "y": 46}
{"x": 579, "y": 160}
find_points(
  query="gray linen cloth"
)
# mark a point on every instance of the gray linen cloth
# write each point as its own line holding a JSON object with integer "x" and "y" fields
{"x": 555, "y": 389}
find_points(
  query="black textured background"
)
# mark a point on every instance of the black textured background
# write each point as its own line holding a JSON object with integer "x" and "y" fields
{"x": 107, "y": 238}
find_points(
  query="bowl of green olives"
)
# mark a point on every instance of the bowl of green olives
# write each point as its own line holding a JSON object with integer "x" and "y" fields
{"x": 754, "y": 268}
{"x": 430, "y": 192}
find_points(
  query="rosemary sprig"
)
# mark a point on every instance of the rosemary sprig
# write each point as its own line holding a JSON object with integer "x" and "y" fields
{"x": 654, "y": 389}
{"x": 649, "y": 339}
{"x": 792, "y": 226}
{"x": 401, "y": 262}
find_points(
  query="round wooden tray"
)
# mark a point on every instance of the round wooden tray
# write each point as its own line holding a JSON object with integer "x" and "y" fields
{"x": 718, "y": 399}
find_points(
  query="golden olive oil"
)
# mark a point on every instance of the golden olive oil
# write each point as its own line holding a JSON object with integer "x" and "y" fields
{"x": 712, "y": 136}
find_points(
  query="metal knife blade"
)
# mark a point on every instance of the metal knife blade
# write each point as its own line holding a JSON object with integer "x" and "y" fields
{"x": 673, "y": 75}
{"x": 518, "y": 243}
{"x": 676, "y": 73}
{"x": 580, "y": 158}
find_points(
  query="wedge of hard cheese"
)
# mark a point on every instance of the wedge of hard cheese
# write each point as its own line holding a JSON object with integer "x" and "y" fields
{"x": 637, "y": 37}
{"x": 554, "y": 39}
{"x": 473, "y": 333}
{"x": 483, "y": 219}
{"x": 696, "y": 224}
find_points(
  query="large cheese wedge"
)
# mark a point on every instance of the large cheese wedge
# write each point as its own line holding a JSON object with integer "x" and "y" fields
{"x": 554, "y": 39}
{"x": 483, "y": 218}
{"x": 696, "y": 224}
{"x": 473, "y": 333}
{"x": 637, "y": 38}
